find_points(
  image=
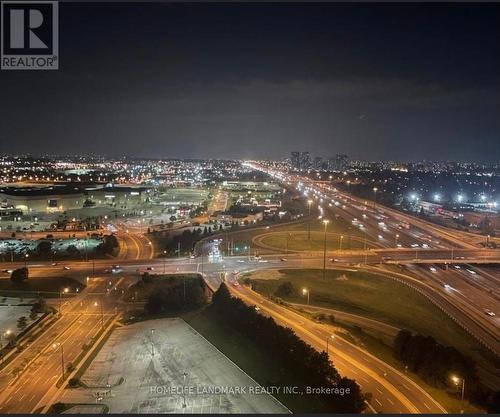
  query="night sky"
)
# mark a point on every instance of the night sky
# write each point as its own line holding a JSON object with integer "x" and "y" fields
{"x": 393, "y": 81}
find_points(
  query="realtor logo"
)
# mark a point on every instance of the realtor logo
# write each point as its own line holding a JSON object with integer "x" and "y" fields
{"x": 30, "y": 38}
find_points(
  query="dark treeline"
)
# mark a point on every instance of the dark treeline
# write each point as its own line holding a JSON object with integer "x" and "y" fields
{"x": 187, "y": 239}
{"x": 310, "y": 367}
{"x": 171, "y": 294}
{"x": 436, "y": 364}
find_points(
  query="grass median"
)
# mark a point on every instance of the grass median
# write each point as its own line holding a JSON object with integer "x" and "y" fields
{"x": 373, "y": 296}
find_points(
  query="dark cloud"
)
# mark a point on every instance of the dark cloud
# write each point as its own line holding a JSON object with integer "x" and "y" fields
{"x": 402, "y": 81}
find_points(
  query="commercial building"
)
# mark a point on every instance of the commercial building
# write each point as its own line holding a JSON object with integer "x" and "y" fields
{"x": 60, "y": 198}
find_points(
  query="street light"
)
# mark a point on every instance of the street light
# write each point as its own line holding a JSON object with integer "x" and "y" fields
{"x": 60, "y": 346}
{"x": 375, "y": 189}
{"x": 305, "y": 291}
{"x": 325, "y": 222}
{"x": 457, "y": 380}
{"x": 341, "y": 239}
{"x": 327, "y": 342}
{"x": 96, "y": 304}
{"x": 164, "y": 260}
{"x": 396, "y": 240}
{"x": 26, "y": 256}
{"x": 309, "y": 202}
{"x": 63, "y": 291}
{"x": 7, "y": 334}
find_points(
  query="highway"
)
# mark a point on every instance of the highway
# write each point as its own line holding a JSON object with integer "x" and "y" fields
{"x": 435, "y": 262}
{"x": 407, "y": 240}
{"x": 41, "y": 362}
{"x": 392, "y": 391}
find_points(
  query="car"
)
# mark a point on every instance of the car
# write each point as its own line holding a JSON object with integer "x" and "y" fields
{"x": 457, "y": 267}
{"x": 489, "y": 313}
{"x": 66, "y": 268}
{"x": 448, "y": 286}
{"x": 115, "y": 266}
{"x": 150, "y": 268}
{"x": 283, "y": 259}
{"x": 257, "y": 257}
{"x": 432, "y": 269}
{"x": 380, "y": 237}
{"x": 470, "y": 271}
{"x": 240, "y": 261}
{"x": 55, "y": 263}
{"x": 257, "y": 308}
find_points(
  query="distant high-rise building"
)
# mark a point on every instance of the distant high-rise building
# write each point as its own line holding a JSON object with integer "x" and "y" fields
{"x": 295, "y": 160}
{"x": 330, "y": 164}
{"x": 339, "y": 162}
{"x": 318, "y": 163}
{"x": 305, "y": 161}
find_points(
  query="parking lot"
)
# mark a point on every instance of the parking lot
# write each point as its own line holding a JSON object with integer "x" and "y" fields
{"x": 10, "y": 311}
{"x": 165, "y": 366}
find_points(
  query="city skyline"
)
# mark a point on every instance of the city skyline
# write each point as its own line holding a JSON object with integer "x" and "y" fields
{"x": 249, "y": 208}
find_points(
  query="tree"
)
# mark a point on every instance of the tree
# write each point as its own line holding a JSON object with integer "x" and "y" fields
{"x": 221, "y": 296}
{"x": 44, "y": 249}
{"x": 72, "y": 251}
{"x": 40, "y": 306}
{"x": 285, "y": 289}
{"x": 110, "y": 245}
{"x": 19, "y": 275}
{"x": 146, "y": 277}
{"x": 22, "y": 322}
{"x": 311, "y": 368}
{"x": 494, "y": 403}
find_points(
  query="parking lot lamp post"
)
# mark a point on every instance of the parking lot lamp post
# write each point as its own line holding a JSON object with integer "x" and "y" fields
{"x": 63, "y": 291}
{"x": 164, "y": 261}
{"x": 305, "y": 291}
{"x": 325, "y": 222}
{"x": 184, "y": 405}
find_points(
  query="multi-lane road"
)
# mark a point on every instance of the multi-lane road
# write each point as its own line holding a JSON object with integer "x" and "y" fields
{"x": 444, "y": 265}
